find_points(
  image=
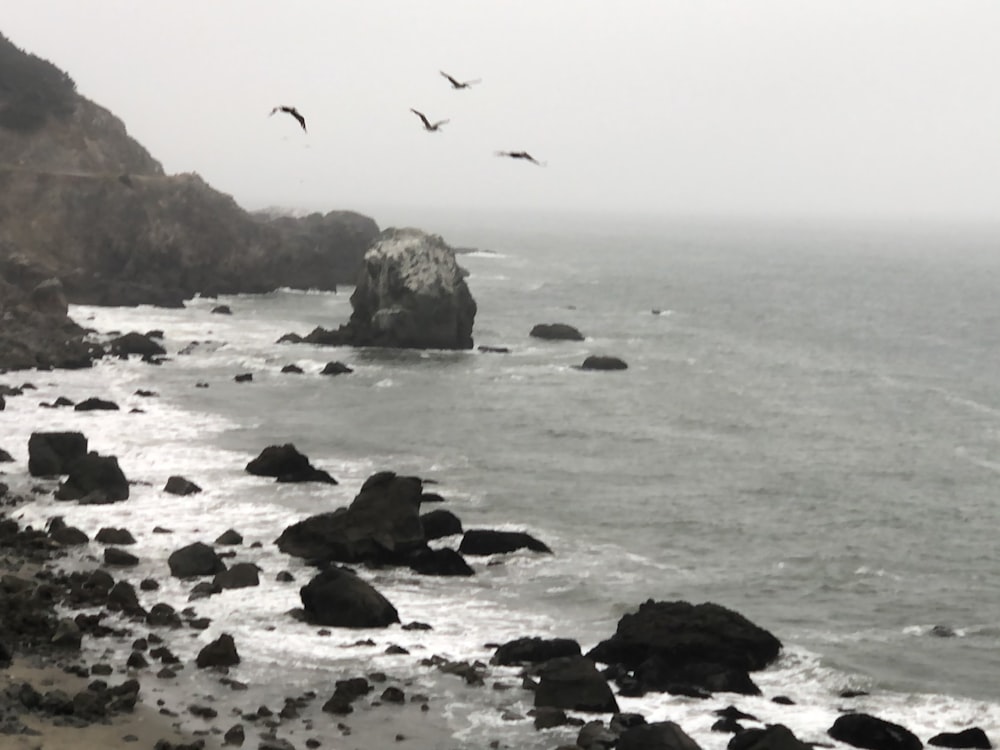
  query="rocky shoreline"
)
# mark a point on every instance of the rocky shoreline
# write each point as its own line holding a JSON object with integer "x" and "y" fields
{"x": 88, "y": 646}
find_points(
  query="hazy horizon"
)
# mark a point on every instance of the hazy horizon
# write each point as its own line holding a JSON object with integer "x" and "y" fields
{"x": 776, "y": 109}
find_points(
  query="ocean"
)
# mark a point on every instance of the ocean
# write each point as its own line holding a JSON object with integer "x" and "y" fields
{"x": 808, "y": 432}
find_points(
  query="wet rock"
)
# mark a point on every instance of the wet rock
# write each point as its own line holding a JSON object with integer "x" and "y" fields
{"x": 661, "y": 734}
{"x": 177, "y": 485}
{"x": 229, "y": 537}
{"x": 335, "y": 368}
{"x": 534, "y": 650}
{"x": 149, "y": 584}
{"x": 292, "y": 369}
{"x": 137, "y": 660}
{"x": 197, "y": 559}
{"x": 94, "y": 479}
{"x": 438, "y": 562}
{"x": 235, "y": 735}
{"x": 118, "y": 537}
{"x": 67, "y": 634}
{"x": 219, "y": 653}
{"x": 5, "y": 457}
{"x": 595, "y": 362}
{"x": 115, "y": 556}
{"x": 866, "y": 731}
{"x": 556, "y": 332}
{"x": 286, "y": 464}
{"x": 973, "y": 737}
{"x": 222, "y": 310}
{"x": 573, "y": 683}
{"x": 381, "y": 524}
{"x": 338, "y": 597}
{"x": 489, "y": 542}
{"x": 439, "y": 524}
{"x": 393, "y": 695}
{"x": 52, "y": 453}
{"x": 244, "y": 377}
{"x": 773, "y": 737}
{"x": 135, "y": 343}
{"x": 96, "y": 404}
{"x": 681, "y": 647}
{"x": 68, "y": 536}
{"x": 547, "y": 717}
{"x": 239, "y": 576}
{"x": 162, "y": 615}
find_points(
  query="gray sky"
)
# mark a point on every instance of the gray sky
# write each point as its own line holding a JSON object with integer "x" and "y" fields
{"x": 773, "y": 107}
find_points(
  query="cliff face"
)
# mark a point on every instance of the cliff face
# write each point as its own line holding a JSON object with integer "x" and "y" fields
{"x": 82, "y": 200}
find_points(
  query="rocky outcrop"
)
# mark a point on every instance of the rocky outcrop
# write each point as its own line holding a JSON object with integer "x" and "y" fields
{"x": 382, "y": 524}
{"x": 573, "y": 683}
{"x": 556, "y": 332}
{"x": 35, "y": 331}
{"x": 339, "y": 598}
{"x": 491, "y": 542}
{"x": 678, "y": 646}
{"x": 873, "y": 733}
{"x": 52, "y": 453}
{"x": 411, "y": 293}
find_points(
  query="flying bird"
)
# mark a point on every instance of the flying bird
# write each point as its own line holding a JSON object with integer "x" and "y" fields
{"x": 521, "y": 155}
{"x": 293, "y": 112}
{"x": 430, "y": 128}
{"x": 459, "y": 84}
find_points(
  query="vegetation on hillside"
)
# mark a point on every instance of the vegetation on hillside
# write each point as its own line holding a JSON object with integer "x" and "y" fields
{"x": 31, "y": 89}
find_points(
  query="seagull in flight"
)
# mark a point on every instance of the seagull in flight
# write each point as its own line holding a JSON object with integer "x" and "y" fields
{"x": 428, "y": 126}
{"x": 524, "y": 155}
{"x": 294, "y": 113}
{"x": 459, "y": 84}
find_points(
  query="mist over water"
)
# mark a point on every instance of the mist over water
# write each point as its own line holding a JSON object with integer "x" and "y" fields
{"x": 807, "y": 433}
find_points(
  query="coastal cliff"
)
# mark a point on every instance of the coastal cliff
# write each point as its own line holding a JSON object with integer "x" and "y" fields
{"x": 84, "y": 203}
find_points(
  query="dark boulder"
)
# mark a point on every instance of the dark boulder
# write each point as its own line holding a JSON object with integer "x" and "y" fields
{"x": 594, "y": 362}
{"x": 663, "y": 674}
{"x": 52, "y": 453}
{"x": 773, "y": 737}
{"x": 288, "y": 465}
{"x": 241, "y": 575}
{"x": 438, "y": 562}
{"x": 230, "y": 537}
{"x": 196, "y": 559}
{"x": 381, "y": 524}
{"x": 96, "y": 404}
{"x": 556, "y": 332}
{"x": 684, "y": 633}
{"x": 135, "y": 343}
{"x": 973, "y": 737}
{"x": 177, "y": 485}
{"x": 534, "y": 650}
{"x": 872, "y": 733}
{"x": 243, "y": 377}
{"x": 292, "y": 369}
{"x": 94, "y": 480}
{"x": 335, "y": 368}
{"x": 5, "y": 457}
{"x": 661, "y": 735}
{"x": 439, "y": 524}
{"x": 574, "y": 684}
{"x": 337, "y": 597}
{"x": 489, "y": 542}
{"x": 68, "y": 535}
{"x": 219, "y": 653}
{"x": 119, "y": 537}
{"x": 222, "y": 310}
{"x": 119, "y": 557}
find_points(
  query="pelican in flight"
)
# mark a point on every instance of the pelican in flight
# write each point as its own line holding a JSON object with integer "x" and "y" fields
{"x": 293, "y": 112}
{"x": 428, "y": 126}
{"x": 521, "y": 155}
{"x": 459, "y": 84}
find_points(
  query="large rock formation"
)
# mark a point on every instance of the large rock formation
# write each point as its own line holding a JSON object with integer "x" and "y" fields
{"x": 35, "y": 331}
{"x": 411, "y": 293}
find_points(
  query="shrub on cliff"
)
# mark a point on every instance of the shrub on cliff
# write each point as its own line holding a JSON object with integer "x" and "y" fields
{"x": 31, "y": 89}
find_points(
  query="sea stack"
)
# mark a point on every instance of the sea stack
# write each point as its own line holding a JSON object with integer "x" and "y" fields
{"x": 410, "y": 294}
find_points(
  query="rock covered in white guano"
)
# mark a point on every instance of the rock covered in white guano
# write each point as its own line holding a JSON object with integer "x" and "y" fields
{"x": 411, "y": 293}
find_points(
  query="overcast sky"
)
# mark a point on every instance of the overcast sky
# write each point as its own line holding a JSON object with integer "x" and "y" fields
{"x": 773, "y": 107}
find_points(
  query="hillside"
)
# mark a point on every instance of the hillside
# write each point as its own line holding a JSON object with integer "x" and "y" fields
{"x": 82, "y": 199}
